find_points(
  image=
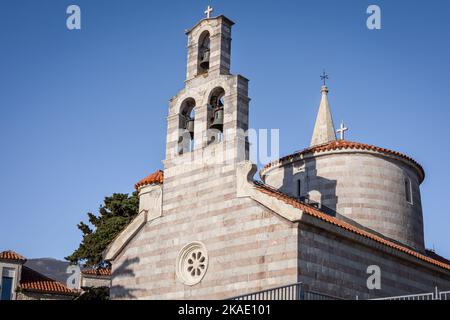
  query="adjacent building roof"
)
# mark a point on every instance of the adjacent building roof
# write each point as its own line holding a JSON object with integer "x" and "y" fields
{"x": 104, "y": 272}
{"x": 345, "y": 145}
{"x": 344, "y": 225}
{"x": 31, "y": 280}
{"x": 34, "y": 281}
{"x": 156, "y": 177}
{"x": 11, "y": 255}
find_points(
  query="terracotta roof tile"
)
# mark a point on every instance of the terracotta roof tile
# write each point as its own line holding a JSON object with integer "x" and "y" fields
{"x": 98, "y": 272}
{"x": 332, "y": 220}
{"x": 155, "y": 178}
{"x": 11, "y": 255}
{"x": 435, "y": 256}
{"x": 345, "y": 145}
{"x": 34, "y": 281}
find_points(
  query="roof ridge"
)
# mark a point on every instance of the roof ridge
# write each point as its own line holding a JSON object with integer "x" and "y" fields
{"x": 345, "y": 144}
{"x": 11, "y": 255}
{"x": 101, "y": 271}
{"x": 43, "y": 276}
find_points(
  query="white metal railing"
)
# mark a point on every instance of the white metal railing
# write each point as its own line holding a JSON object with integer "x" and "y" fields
{"x": 436, "y": 295}
{"x": 294, "y": 291}
{"x": 420, "y": 296}
{"x": 444, "y": 295}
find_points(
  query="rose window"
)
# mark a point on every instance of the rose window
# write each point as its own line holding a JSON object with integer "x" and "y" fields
{"x": 192, "y": 263}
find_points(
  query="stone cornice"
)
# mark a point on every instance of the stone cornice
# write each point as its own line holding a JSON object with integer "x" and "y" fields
{"x": 344, "y": 147}
{"x": 222, "y": 17}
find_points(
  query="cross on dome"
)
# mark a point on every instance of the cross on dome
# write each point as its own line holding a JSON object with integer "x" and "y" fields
{"x": 208, "y": 11}
{"x": 341, "y": 130}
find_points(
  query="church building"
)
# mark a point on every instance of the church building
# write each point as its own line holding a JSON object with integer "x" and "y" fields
{"x": 207, "y": 228}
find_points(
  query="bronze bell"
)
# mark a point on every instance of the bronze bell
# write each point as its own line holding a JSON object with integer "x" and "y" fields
{"x": 218, "y": 119}
{"x": 190, "y": 126}
{"x": 204, "y": 62}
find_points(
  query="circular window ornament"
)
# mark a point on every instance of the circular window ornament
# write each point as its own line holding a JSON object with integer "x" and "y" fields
{"x": 192, "y": 263}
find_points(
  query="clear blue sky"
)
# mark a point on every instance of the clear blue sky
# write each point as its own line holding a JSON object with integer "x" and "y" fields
{"x": 82, "y": 113}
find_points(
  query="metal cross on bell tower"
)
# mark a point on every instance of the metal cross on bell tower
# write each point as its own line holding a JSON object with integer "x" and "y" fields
{"x": 208, "y": 12}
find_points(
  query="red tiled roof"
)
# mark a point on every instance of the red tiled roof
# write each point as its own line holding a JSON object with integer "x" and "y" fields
{"x": 11, "y": 255}
{"x": 332, "y": 220}
{"x": 155, "y": 178}
{"x": 435, "y": 256}
{"x": 34, "y": 281}
{"x": 98, "y": 272}
{"x": 344, "y": 145}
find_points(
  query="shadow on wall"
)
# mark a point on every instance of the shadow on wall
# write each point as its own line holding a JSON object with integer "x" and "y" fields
{"x": 304, "y": 184}
{"x": 125, "y": 270}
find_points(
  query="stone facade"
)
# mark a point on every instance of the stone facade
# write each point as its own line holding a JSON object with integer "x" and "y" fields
{"x": 42, "y": 296}
{"x": 249, "y": 249}
{"x": 333, "y": 263}
{"x": 11, "y": 269}
{"x": 94, "y": 281}
{"x": 219, "y": 30}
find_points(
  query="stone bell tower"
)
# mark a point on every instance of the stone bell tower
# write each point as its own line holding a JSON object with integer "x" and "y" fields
{"x": 208, "y": 118}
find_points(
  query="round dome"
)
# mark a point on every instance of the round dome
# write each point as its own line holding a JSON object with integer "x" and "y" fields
{"x": 376, "y": 187}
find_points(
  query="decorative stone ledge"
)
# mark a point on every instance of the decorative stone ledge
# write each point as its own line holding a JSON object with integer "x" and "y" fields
{"x": 246, "y": 188}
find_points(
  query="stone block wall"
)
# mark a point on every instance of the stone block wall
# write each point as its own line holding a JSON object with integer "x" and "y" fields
{"x": 220, "y": 35}
{"x": 89, "y": 281}
{"x": 249, "y": 249}
{"x": 41, "y": 296}
{"x": 333, "y": 264}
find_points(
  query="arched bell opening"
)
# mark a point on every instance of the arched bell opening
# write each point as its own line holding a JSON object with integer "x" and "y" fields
{"x": 216, "y": 115}
{"x": 186, "y": 126}
{"x": 204, "y": 53}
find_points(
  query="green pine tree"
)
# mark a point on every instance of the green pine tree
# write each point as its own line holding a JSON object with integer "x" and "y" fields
{"x": 114, "y": 215}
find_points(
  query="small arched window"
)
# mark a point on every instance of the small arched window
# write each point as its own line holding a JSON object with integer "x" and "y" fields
{"x": 299, "y": 187}
{"x": 186, "y": 126}
{"x": 408, "y": 191}
{"x": 204, "y": 53}
{"x": 216, "y": 115}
